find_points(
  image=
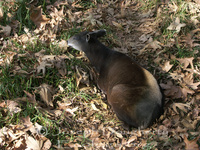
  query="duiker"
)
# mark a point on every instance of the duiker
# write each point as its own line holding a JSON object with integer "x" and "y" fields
{"x": 131, "y": 90}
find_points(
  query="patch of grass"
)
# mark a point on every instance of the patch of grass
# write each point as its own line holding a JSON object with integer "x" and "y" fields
{"x": 23, "y": 15}
{"x": 12, "y": 86}
{"x": 148, "y": 4}
{"x": 184, "y": 52}
{"x": 86, "y": 4}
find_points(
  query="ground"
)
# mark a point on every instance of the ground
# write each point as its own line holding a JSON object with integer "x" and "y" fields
{"x": 48, "y": 93}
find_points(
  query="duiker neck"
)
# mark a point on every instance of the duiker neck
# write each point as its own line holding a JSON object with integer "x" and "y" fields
{"x": 98, "y": 54}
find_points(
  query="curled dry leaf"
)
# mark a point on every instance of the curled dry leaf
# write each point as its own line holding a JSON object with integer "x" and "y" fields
{"x": 46, "y": 94}
{"x": 60, "y": 64}
{"x": 39, "y": 54}
{"x": 131, "y": 139}
{"x": 61, "y": 89}
{"x": 188, "y": 124}
{"x": 47, "y": 144}
{"x": 81, "y": 76}
{"x": 92, "y": 19}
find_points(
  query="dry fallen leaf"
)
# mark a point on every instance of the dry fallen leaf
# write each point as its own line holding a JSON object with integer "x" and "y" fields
{"x": 13, "y": 106}
{"x": 81, "y": 76}
{"x": 181, "y": 106}
{"x": 186, "y": 62}
{"x": 194, "y": 19}
{"x": 33, "y": 143}
{"x": 47, "y": 144}
{"x": 166, "y": 67}
{"x": 42, "y": 67}
{"x": 71, "y": 111}
{"x": 51, "y": 61}
{"x": 46, "y": 94}
{"x": 1, "y": 13}
{"x": 9, "y": 58}
{"x": 131, "y": 139}
{"x": 119, "y": 135}
{"x": 25, "y": 136}
{"x": 144, "y": 37}
{"x": 5, "y": 30}
{"x": 171, "y": 90}
{"x": 154, "y": 44}
{"x": 117, "y": 25}
{"x": 185, "y": 91}
{"x": 172, "y": 7}
{"x": 176, "y": 75}
{"x": 63, "y": 44}
{"x": 176, "y": 25}
{"x": 192, "y": 144}
{"x": 27, "y": 122}
{"x": 38, "y": 18}
{"x": 31, "y": 97}
{"x": 189, "y": 80}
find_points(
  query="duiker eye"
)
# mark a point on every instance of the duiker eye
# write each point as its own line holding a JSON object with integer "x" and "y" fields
{"x": 74, "y": 38}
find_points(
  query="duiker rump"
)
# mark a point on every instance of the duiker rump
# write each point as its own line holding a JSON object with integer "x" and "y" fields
{"x": 131, "y": 90}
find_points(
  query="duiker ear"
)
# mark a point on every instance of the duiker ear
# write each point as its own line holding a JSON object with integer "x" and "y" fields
{"x": 100, "y": 33}
{"x": 88, "y": 37}
{"x": 97, "y": 33}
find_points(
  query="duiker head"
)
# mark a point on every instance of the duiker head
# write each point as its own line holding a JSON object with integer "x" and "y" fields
{"x": 83, "y": 40}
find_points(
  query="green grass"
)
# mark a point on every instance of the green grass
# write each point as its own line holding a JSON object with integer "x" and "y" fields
{"x": 86, "y": 4}
{"x": 12, "y": 86}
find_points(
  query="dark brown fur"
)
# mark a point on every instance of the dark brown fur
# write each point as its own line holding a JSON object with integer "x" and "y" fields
{"x": 131, "y": 90}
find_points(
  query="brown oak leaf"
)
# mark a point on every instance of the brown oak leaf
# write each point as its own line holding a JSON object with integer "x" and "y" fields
{"x": 186, "y": 62}
{"x": 37, "y": 17}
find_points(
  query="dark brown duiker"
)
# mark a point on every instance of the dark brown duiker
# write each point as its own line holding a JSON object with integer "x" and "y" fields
{"x": 131, "y": 90}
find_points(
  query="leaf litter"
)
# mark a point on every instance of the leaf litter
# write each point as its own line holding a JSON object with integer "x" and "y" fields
{"x": 139, "y": 36}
